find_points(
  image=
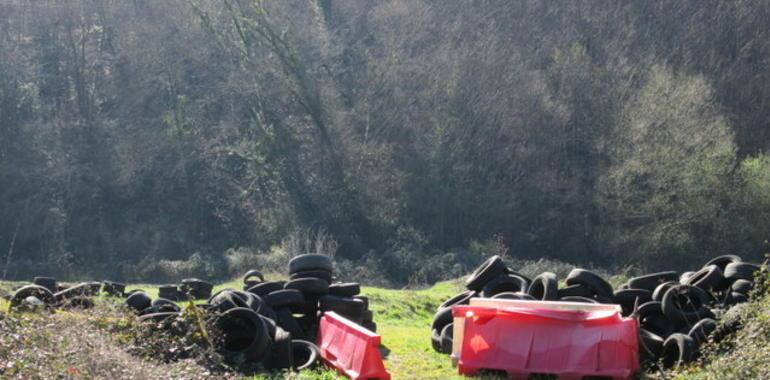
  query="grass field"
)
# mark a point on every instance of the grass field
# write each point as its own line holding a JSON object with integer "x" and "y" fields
{"x": 403, "y": 318}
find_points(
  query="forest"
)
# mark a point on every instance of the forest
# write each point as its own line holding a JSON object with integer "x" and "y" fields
{"x": 147, "y": 140}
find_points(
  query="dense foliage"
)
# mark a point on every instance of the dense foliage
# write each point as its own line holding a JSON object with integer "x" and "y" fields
{"x": 417, "y": 133}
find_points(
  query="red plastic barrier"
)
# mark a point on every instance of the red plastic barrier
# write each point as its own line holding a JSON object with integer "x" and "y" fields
{"x": 538, "y": 340}
{"x": 350, "y": 348}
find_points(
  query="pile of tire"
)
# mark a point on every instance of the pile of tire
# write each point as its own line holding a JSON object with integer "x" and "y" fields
{"x": 271, "y": 322}
{"x": 187, "y": 289}
{"x": 47, "y": 293}
{"x": 676, "y": 313}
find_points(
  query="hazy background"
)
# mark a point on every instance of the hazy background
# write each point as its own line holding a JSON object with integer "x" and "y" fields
{"x": 148, "y": 140}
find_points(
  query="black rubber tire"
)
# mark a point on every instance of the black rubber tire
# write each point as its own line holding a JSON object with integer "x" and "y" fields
{"x": 458, "y": 299}
{"x": 708, "y": 278}
{"x": 72, "y": 292}
{"x": 285, "y": 320}
{"x": 157, "y": 317}
{"x": 253, "y": 273}
{"x": 742, "y": 286}
{"x": 243, "y": 333}
{"x": 651, "y": 281}
{"x": 139, "y": 301}
{"x": 170, "y": 292}
{"x": 114, "y": 289}
{"x": 723, "y": 261}
{"x": 485, "y": 273}
{"x": 281, "y": 354}
{"x": 544, "y": 287}
{"x": 371, "y": 326}
{"x": 285, "y": 298}
{"x": 685, "y": 276}
{"x": 162, "y": 305}
{"x": 660, "y": 291}
{"x": 650, "y": 345}
{"x": 367, "y": 316}
{"x": 701, "y": 330}
{"x": 435, "y": 340}
{"x": 446, "y": 338}
{"x": 345, "y": 289}
{"x": 591, "y": 280}
{"x": 344, "y": 306}
{"x": 504, "y": 283}
{"x": 511, "y": 271}
{"x": 677, "y": 349}
{"x": 37, "y": 291}
{"x": 740, "y": 271}
{"x": 46, "y": 282}
{"x": 684, "y": 304}
{"x": 629, "y": 297}
{"x": 735, "y": 298}
{"x": 578, "y": 299}
{"x": 652, "y": 319}
{"x": 227, "y": 299}
{"x": 80, "y": 303}
{"x": 314, "y": 286}
{"x": 513, "y": 296}
{"x": 442, "y": 318}
{"x": 321, "y": 274}
{"x": 308, "y": 262}
{"x": 305, "y": 353}
{"x": 196, "y": 288}
{"x": 365, "y": 300}
{"x": 266, "y": 288}
{"x": 574, "y": 291}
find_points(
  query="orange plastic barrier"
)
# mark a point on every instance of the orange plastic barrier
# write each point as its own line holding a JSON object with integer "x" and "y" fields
{"x": 545, "y": 339}
{"x": 350, "y": 348}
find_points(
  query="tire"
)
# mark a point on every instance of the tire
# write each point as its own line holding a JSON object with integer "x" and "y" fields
{"x": 504, "y": 283}
{"x": 253, "y": 273}
{"x": 650, "y": 345}
{"x": 544, "y": 287}
{"x": 196, "y": 288}
{"x": 367, "y": 316}
{"x": 677, "y": 349}
{"x": 591, "y": 280}
{"x": 286, "y": 321}
{"x": 574, "y": 291}
{"x": 459, "y": 299}
{"x": 513, "y": 296}
{"x": 37, "y": 291}
{"x": 435, "y": 340}
{"x": 364, "y": 299}
{"x": 485, "y": 273}
{"x": 684, "y": 304}
{"x": 347, "y": 289}
{"x": 139, "y": 301}
{"x": 228, "y": 299}
{"x": 442, "y": 318}
{"x": 243, "y": 333}
{"x": 114, "y": 289}
{"x": 305, "y": 354}
{"x": 657, "y": 295}
{"x": 342, "y": 305}
{"x": 701, "y": 330}
{"x": 651, "y": 281}
{"x": 72, "y": 292}
{"x": 315, "y": 286}
{"x": 578, "y": 299}
{"x": 281, "y": 352}
{"x": 742, "y": 286}
{"x": 446, "y": 338}
{"x": 740, "y": 271}
{"x": 735, "y": 298}
{"x": 266, "y": 288}
{"x": 285, "y": 298}
{"x": 170, "y": 292}
{"x": 684, "y": 277}
{"x": 309, "y": 262}
{"x": 723, "y": 261}
{"x": 46, "y": 282}
{"x": 162, "y": 305}
{"x": 371, "y": 326}
{"x": 322, "y": 274}
{"x": 81, "y": 303}
{"x": 629, "y": 297}
{"x": 709, "y": 278}
{"x": 652, "y": 319}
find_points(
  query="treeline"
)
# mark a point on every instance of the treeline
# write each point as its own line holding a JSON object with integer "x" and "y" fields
{"x": 419, "y": 134}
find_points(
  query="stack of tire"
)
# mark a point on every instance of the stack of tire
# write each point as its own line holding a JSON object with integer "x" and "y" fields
{"x": 188, "y": 289}
{"x": 46, "y": 292}
{"x": 676, "y": 312}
